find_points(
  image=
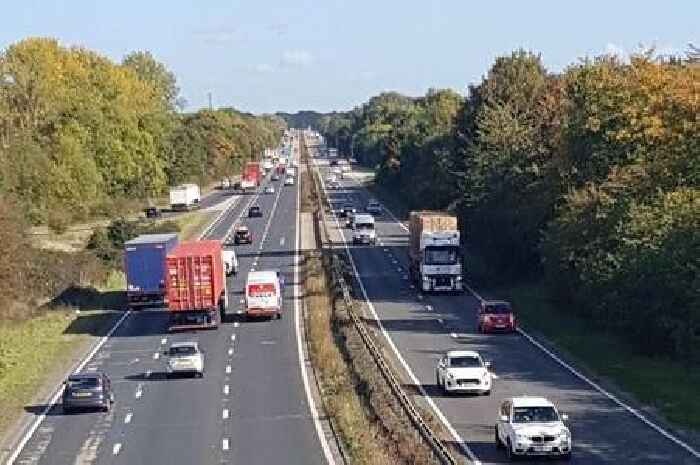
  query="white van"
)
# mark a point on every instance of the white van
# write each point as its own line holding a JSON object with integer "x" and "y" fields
{"x": 263, "y": 294}
{"x": 230, "y": 262}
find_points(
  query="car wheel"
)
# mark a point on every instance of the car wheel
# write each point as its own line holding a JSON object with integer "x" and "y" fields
{"x": 496, "y": 439}
{"x": 279, "y": 315}
{"x": 509, "y": 452}
{"x": 487, "y": 393}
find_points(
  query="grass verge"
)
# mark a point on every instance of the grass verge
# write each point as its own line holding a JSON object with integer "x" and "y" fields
{"x": 194, "y": 223}
{"x": 669, "y": 387}
{"x": 59, "y": 334}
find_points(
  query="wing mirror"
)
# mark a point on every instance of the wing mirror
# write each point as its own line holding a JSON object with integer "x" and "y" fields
{"x": 504, "y": 418}
{"x": 564, "y": 417}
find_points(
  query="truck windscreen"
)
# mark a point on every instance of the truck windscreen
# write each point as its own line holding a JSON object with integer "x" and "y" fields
{"x": 441, "y": 255}
{"x": 364, "y": 225}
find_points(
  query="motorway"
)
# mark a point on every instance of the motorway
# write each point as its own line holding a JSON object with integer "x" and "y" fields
{"x": 249, "y": 408}
{"x": 420, "y": 328}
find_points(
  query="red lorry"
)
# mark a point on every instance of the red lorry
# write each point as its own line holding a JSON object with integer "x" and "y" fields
{"x": 251, "y": 175}
{"x": 196, "y": 285}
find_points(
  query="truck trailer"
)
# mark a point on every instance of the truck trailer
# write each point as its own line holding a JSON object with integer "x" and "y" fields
{"x": 435, "y": 259}
{"x": 251, "y": 176}
{"x": 196, "y": 285}
{"x": 184, "y": 197}
{"x": 144, "y": 266}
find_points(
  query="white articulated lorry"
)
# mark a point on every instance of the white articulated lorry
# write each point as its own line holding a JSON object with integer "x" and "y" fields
{"x": 434, "y": 251}
{"x": 184, "y": 197}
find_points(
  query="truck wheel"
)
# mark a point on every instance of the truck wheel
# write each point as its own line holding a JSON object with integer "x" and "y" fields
{"x": 279, "y": 315}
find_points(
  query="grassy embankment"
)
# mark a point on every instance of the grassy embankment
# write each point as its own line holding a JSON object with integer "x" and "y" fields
{"x": 36, "y": 351}
{"x": 666, "y": 386}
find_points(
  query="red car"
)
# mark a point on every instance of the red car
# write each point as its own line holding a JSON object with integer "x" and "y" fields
{"x": 496, "y": 315}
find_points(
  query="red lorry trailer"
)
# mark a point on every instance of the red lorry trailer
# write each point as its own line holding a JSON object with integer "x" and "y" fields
{"x": 196, "y": 285}
{"x": 251, "y": 175}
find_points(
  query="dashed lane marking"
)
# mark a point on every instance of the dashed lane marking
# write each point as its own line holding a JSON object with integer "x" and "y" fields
{"x": 156, "y": 356}
{"x": 236, "y": 324}
{"x": 116, "y": 448}
{"x": 139, "y": 391}
{"x": 230, "y": 351}
{"x": 228, "y": 369}
{"x": 163, "y": 341}
{"x": 233, "y": 337}
{"x": 224, "y": 444}
{"x": 224, "y": 414}
{"x": 226, "y": 389}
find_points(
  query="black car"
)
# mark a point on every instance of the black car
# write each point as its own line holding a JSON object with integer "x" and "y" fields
{"x": 254, "y": 211}
{"x": 347, "y": 210}
{"x": 152, "y": 212}
{"x": 87, "y": 391}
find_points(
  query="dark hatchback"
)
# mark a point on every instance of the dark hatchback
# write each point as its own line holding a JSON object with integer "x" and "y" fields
{"x": 87, "y": 391}
{"x": 254, "y": 211}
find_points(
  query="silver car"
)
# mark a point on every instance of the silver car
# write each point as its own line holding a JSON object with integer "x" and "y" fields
{"x": 185, "y": 358}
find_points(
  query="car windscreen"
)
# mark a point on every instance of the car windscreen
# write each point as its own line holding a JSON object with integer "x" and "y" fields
{"x": 497, "y": 309}
{"x": 441, "y": 256}
{"x": 465, "y": 362}
{"x": 182, "y": 350}
{"x": 364, "y": 225}
{"x": 83, "y": 383}
{"x": 534, "y": 414}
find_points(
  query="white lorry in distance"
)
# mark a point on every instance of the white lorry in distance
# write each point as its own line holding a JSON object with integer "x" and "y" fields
{"x": 363, "y": 229}
{"x": 184, "y": 197}
{"x": 230, "y": 262}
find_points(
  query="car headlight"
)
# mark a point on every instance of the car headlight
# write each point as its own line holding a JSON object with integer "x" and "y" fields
{"x": 521, "y": 437}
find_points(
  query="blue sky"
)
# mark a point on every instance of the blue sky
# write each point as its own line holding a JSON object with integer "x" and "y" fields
{"x": 264, "y": 56}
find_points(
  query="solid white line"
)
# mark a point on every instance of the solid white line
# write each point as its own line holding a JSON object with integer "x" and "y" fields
{"x": 59, "y": 390}
{"x": 304, "y": 375}
{"x": 117, "y": 447}
{"x": 224, "y": 444}
{"x": 224, "y": 414}
{"x": 462, "y": 444}
{"x": 226, "y": 389}
{"x": 127, "y": 418}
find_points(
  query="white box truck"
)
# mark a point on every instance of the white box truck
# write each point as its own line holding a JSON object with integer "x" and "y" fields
{"x": 184, "y": 197}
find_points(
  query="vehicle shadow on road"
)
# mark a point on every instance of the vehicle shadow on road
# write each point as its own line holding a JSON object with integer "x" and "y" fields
{"x": 38, "y": 409}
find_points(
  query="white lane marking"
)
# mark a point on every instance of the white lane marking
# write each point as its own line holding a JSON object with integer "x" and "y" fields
{"x": 453, "y": 335}
{"x": 429, "y": 308}
{"x": 269, "y": 221}
{"x": 297, "y": 326}
{"x": 233, "y": 337}
{"x": 231, "y": 204}
{"x": 226, "y": 389}
{"x": 163, "y": 341}
{"x": 139, "y": 391}
{"x": 117, "y": 447}
{"x": 127, "y": 418}
{"x": 236, "y": 324}
{"x": 457, "y": 438}
{"x": 59, "y": 390}
{"x": 224, "y": 444}
{"x": 224, "y": 414}
{"x": 230, "y": 351}
{"x": 281, "y": 241}
{"x": 601, "y": 390}
{"x": 228, "y": 369}
{"x": 148, "y": 373}
{"x": 156, "y": 356}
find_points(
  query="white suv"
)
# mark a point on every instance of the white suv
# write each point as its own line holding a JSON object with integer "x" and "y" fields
{"x": 463, "y": 371}
{"x": 532, "y": 426}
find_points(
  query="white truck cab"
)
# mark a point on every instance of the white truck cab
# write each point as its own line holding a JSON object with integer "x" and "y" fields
{"x": 363, "y": 229}
{"x": 532, "y": 426}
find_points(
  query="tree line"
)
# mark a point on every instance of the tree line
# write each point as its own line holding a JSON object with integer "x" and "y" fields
{"x": 588, "y": 179}
{"x": 80, "y": 133}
